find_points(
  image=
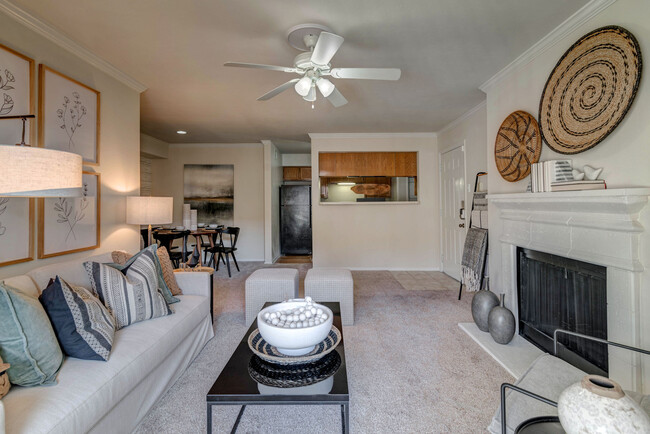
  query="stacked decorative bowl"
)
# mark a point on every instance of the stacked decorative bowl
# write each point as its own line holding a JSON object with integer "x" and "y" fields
{"x": 296, "y": 326}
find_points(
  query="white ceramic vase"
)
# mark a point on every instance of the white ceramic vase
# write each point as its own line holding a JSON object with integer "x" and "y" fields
{"x": 597, "y": 404}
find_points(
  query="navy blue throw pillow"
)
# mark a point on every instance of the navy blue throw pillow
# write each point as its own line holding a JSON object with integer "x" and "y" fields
{"x": 82, "y": 324}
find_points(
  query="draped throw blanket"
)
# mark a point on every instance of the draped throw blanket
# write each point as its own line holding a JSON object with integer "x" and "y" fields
{"x": 474, "y": 258}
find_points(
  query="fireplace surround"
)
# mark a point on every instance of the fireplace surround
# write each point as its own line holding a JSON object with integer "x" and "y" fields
{"x": 609, "y": 228}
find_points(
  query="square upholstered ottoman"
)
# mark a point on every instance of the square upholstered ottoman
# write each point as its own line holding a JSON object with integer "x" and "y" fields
{"x": 332, "y": 284}
{"x": 269, "y": 284}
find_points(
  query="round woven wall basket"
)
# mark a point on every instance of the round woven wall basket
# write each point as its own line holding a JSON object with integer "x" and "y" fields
{"x": 590, "y": 90}
{"x": 517, "y": 146}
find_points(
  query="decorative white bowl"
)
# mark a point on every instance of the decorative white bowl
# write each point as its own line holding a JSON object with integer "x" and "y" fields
{"x": 201, "y": 225}
{"x": 213, "y": 226}
{"x": 294, "y": 341}
{"x": 180, "y": 228}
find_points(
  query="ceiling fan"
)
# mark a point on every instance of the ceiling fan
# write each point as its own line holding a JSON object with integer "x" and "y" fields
{"x": 320, "y": 45}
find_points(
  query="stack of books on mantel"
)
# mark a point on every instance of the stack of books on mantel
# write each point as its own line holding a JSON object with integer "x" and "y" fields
{"x": 556, "y": 175}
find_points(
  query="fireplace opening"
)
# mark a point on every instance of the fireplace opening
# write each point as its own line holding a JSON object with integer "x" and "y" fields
{"x": 556, "y": 292}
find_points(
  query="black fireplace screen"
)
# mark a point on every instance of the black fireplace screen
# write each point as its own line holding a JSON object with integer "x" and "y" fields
{"x": 556, "y": 292}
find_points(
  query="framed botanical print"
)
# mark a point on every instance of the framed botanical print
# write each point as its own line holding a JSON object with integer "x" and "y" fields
{"x": 68, "y": 115}
{"x": 70, "y": 224}
{"x": 16, "y": 84}
{"x": 16, "y": 230}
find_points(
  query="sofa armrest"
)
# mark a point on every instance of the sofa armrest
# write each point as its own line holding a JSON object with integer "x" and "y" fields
{"x": 194, "y": 283}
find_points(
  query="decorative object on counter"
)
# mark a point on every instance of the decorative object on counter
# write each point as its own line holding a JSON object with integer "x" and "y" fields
{"x": 598, "y": 404}
{"x": 297, "y": 340}
{"x": 193, "y": 220}
{"x": 269, "y": 353}
{"x": 187, "y": 222}
{"x": 592, "y": 174}
{"x": 598, "y": 184}
{"x": 473, "y": 262}
{"x": 517, "y": 146}
{"x": 372, "y": 190}
{"x": 70, "y": 224}
{"x": 577, "y": 175}
{"x": 68, "y": 115}
{"x": 546, "y": 173}
{"x": 501, "y": 323}
{"x": 590, "y": 90}
{"x": 5, "y": 385}
{"x": 482, "y": 304}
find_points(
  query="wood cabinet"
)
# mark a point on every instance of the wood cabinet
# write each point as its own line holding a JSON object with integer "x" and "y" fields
{"x": 296, "y": 173}
{"x": 335, "y": 164}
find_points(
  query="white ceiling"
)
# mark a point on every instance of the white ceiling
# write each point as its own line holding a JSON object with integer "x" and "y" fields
{"x": 446, "y": 49}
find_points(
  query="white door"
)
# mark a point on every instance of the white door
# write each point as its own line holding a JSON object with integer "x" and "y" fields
{"x": 453, "y": 210}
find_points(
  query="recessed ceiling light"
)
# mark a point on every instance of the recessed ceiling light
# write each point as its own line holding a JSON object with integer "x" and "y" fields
{"x": 181, "y": 132}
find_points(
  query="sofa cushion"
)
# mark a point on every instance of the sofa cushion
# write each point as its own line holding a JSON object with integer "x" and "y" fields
{"x": 83, "y": 325}
{"x": 72, "y": 271}
{"x": 167, "y": 269}
{"x": 27, "y": 341}
{"x": 131, "y": 294}
{"x": 23, "y": 283}
{"x": 87, "y": 390}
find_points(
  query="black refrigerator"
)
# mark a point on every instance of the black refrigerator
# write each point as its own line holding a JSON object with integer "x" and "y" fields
{"x": 295, "y": 220}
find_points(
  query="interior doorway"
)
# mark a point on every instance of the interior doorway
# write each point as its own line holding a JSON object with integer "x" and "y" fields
{"x": 452, "y": 202}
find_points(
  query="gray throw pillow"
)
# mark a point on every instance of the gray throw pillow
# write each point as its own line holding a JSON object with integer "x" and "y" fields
{"x": 131, "y": 293}
{"x": 27, "y": 341}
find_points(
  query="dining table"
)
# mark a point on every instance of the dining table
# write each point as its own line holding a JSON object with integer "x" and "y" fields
{"x": 198, "y": 234}
{"x": 166, "y": 237}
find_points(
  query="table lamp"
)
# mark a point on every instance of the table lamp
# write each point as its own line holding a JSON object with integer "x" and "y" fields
{"x": 149, "y": 210}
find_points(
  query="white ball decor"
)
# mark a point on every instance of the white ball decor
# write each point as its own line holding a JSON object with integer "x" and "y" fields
{"x": 598, "y": 404}
{"x": 294, "y": 327}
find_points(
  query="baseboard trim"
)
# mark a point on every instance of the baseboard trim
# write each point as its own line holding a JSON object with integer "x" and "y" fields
{"x": 389, "y": 268}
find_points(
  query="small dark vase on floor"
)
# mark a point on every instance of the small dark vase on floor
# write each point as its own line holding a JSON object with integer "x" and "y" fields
{"x": 501, "y": 323}
{"x": 482, "y": 303}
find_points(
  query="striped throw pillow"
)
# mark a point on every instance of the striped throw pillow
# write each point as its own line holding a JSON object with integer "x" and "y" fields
{"x": 131, "y": 294}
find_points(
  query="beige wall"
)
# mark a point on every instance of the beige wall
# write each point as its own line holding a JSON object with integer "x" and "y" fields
{"x": 624, "y": 154}
{"x": 379, "y": 235}
{"x": 152, "y": 147}
{"x": 272, "y": 182}
{"x": 120, "y": 139}
{"x": 248, "y": 158}
{"x": 296, "y": 159}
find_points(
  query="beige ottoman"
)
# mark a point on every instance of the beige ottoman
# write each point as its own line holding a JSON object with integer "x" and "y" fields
{"x": 269, "y": 284}
{"x": 332, "y": 284}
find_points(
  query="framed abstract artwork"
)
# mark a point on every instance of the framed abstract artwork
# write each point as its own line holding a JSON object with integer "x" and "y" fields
{"x": 16, "y": 230}
{"x": 16, "y": 84}
{"x": 68, "y": 115}
{"x": 209, "y": 189}
{"x": 70, "y": 224}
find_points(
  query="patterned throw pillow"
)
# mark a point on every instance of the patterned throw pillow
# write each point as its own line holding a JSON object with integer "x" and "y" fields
{"x": 123, "y": 259}
{"x": 83, "y": 326}
{"x": 27, "y": 341}
{"x": 168, "y": 271}
{"x": 130, "y": 293}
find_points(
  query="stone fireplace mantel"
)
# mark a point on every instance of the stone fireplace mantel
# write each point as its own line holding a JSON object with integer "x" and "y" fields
{"x": 605, "y": 227}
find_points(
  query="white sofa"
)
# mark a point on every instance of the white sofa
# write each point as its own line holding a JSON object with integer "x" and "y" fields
{"x": 113, "y": 396}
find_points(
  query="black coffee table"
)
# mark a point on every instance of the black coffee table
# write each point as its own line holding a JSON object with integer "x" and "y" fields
{"x": 235, "y": 386}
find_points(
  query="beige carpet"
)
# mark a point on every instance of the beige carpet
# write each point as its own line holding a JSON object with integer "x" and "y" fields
{"x": 411, "y": 369}
{"x": 425, "y": 280}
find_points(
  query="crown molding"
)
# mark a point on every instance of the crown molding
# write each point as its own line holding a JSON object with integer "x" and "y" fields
{"x": 216, "y": 145}
{"x": 430, "y": 135}
{"x": 463, "y": 117}
{"x": 581, "y": 16}
{"x": 42, "y": 28}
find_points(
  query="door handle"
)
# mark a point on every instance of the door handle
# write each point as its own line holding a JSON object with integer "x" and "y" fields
{"x": 462, "y": 225}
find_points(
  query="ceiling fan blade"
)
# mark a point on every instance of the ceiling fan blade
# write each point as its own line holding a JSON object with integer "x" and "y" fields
{"x": 337, "y": 99}
{"x": 326, "y": 47}
{"x": 278, "y": 90}
{"x": 367, "y": 73}
{"x": 259, "y": 66}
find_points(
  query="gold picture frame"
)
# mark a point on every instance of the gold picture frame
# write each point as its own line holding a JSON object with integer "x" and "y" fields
{"x": 68, "y": 115}
{"x": 65, "y": 225}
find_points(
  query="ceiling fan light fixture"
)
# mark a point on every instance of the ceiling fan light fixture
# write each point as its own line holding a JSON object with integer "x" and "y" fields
{"x": 325, "y": 86}
{"x": 311, "y": 95}
{"x": 303, "y": 86}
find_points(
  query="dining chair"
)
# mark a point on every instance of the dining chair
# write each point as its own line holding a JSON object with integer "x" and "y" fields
{"x": 224, "y": 250}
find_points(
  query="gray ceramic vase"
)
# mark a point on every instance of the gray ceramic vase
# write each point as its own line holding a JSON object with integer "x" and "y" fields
{"x": 482, "y": 303}
{"x": 501, "y": 323}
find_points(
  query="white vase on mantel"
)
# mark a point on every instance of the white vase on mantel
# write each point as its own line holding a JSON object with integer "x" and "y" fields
{"x": 599, "y": 405}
